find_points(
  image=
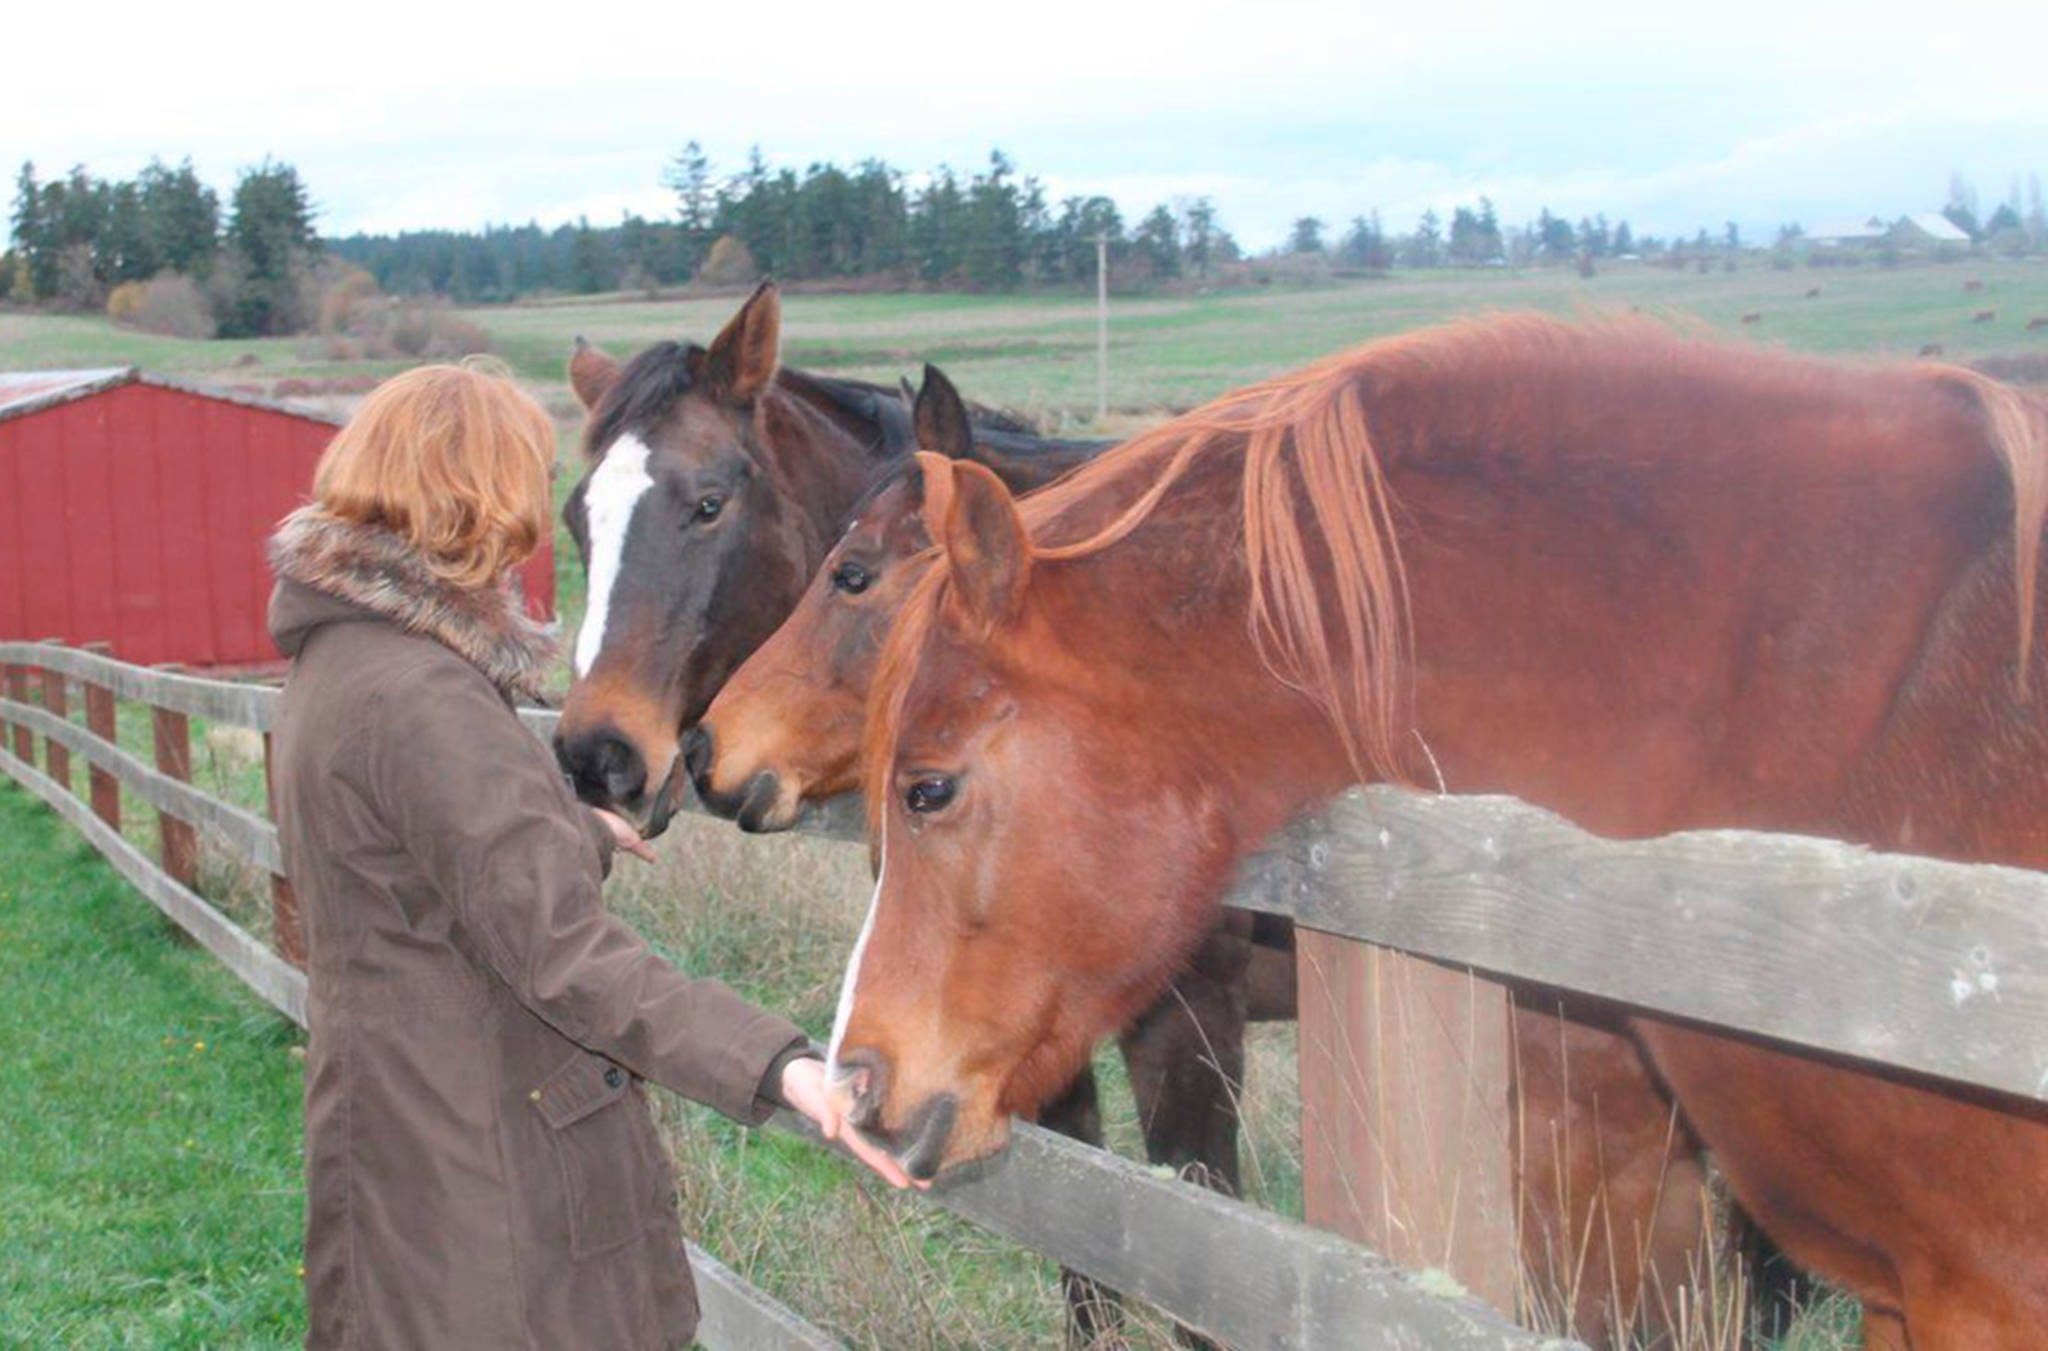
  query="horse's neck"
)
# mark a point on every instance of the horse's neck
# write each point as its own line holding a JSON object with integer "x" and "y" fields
{"x": 1643, "y": 641}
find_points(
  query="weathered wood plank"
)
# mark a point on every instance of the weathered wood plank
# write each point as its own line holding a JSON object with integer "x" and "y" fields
{"x": 248, "y": 835}
{"x": 245, "y": 705}
{"x": 177, "y": 845}
{"x": 57, "y": 701}
{"x": 1245, "y": 1276}
{"x": 1936, "y": 967}
{"x": 1406, "y": 1138}
{"x": 275, "y": 981}
{"x": 100, "y": 721}
{"x": 285, "y": 927}
{"x": 17, "y": 690}
{"x": 736, "y": 1316}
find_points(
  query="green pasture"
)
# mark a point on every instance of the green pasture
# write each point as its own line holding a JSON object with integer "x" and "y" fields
{"x": 1037, "y": 352}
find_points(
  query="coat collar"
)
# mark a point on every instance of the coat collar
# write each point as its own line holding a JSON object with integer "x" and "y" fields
{"x": 381, "y": 572}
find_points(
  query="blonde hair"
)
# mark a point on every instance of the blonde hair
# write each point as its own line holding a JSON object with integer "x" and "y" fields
{"x": 456, "y": 459}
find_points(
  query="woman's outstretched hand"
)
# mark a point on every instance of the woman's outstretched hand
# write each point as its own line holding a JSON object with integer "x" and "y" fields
{"x": 804, "y": 1089}
{"x": 624, "y": 836}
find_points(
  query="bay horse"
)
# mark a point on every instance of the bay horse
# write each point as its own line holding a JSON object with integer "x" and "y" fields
{"x": 718, "y": 479}
{"x": 1648, "y": 584}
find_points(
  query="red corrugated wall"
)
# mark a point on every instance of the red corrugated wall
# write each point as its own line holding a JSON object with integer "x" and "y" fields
{"x": 138, "y": 516}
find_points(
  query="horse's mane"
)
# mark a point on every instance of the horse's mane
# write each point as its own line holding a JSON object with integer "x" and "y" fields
{"x": 650, "y": 385}
{"x": 1313, "y": 490}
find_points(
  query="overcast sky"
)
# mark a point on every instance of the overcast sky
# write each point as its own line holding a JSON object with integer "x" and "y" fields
{"x": 1671, "y": 115}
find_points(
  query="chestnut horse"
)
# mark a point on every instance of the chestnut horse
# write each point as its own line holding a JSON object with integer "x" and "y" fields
{"x": 1648, "y": 584}
{"x": 718, "y": 478}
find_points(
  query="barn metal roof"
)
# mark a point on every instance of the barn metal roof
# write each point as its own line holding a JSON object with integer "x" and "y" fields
{"x": 24, "y": 392}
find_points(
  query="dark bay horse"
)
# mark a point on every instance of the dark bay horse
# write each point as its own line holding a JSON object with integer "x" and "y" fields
{"x": 1648, "y": 584}
{"x": 718, "y": 479}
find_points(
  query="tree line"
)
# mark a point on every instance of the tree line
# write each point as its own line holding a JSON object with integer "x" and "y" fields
{"x": 76, "y": 240}
{"x": 257, "y": 266}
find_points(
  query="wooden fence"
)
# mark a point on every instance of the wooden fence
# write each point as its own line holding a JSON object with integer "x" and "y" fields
{"x": 1935, "y": 968}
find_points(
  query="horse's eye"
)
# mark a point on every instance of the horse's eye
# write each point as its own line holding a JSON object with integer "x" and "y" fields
{"x": 708, "y": 507}
{"x": 930, "y": 794}
{"x": 851, "y": 578}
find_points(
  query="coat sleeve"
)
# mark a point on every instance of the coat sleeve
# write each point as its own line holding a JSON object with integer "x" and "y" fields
{"x": 479, "y": 805}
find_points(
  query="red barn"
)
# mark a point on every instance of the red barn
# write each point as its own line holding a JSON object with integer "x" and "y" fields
{"x": 134, "y": 510}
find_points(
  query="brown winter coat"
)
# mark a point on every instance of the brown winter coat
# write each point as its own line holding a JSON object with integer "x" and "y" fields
{"x": 481, "y": 1167}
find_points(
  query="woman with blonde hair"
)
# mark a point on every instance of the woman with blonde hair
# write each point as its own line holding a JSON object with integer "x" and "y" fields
{"x": 481, "y": 1166}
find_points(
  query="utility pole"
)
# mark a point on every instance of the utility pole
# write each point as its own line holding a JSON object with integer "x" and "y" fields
{"x": 1101, "y": 326}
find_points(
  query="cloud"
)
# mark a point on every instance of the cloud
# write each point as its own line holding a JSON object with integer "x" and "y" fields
{"x": 419, "y": 115}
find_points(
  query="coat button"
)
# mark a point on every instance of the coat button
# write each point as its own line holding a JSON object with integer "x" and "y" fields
{"x": 612, "y": 1077}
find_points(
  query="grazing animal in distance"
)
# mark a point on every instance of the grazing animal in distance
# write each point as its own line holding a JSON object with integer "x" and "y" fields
{"x": 1813, "y": 293}
{"x": 1799, "y": 616}
{"x": 1753, "y": 317}
{"x": 2037, "y": 323}
{"x": 1930, "y": 349}
{"x": 1983, "y": 316}
{"x": 1972, "y": 285}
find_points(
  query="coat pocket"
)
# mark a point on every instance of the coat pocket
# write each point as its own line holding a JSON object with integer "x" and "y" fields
{"x": 590, "y": 1111}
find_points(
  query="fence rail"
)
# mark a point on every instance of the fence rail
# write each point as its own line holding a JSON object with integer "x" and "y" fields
{"x": 1926, "y": 966}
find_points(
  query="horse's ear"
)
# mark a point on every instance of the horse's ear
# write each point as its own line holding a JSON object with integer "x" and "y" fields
{"x": 974, "y": 519}
{"x": 744, "y": 356}
{"x": 592, "y": 373}
{"x": 940, "y": 417}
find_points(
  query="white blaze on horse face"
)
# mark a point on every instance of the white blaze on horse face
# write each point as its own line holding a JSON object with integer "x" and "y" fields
{"x": 616, "y": 487}
{"x": 860, "y": 947}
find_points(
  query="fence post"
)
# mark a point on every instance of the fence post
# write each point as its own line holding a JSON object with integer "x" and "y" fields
{"x": 1404, "y": 1111}
{"x": 180, "y": 843}
{"x": 57, "y": 703}
{"x": 100, "y": 721}
{"x": 17, "y": 690}
{"x": 287, "y": 933}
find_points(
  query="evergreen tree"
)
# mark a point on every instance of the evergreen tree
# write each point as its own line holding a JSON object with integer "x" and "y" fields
{"x": 181, "y": 216}
{"x": 1200, "y": 232}
{"x": 1306, "y": 236}
{"x": 1157, "y": 241}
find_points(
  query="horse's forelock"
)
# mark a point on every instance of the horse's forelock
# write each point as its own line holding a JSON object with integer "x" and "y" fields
{"x": 645, "y": 393}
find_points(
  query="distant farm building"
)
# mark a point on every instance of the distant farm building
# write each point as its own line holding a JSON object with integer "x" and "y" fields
{"x": 1924, "y": 228}
{"x": 1849, "y": 234}
{"x": 1921, "y": 230}
{"x": 134, "y": 510}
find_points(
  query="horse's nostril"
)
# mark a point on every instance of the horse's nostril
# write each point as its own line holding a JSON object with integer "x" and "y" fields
{"x": 602, "y": 765}
{"x": 696, "y": 750}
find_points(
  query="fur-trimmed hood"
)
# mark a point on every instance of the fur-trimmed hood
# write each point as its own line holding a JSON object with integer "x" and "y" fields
{"x": 320, "y": 559}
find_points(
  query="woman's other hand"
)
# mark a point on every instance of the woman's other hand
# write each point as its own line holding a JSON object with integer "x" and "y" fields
{"x": 804, "y": 1089}
{"x": 624, "y": 836}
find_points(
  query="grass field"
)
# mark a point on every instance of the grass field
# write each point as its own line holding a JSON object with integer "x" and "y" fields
{"x": 151, "y": 1192}
{"x": 1037, "y": 353}
{"x": 773, "y": 916}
